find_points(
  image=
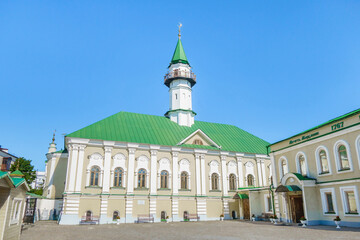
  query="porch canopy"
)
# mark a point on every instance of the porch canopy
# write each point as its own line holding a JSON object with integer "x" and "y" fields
{"x": 241, "y": 196}
{"x": 287, "y": 188}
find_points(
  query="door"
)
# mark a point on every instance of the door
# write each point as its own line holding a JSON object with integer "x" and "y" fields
{"x": 88, "y": 216}
{"x": 30, "y": 210}
{"x": 246, "y": 209}
{"x": 297, "y": 210}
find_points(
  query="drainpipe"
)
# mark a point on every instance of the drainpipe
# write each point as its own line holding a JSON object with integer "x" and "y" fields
{"x": 272, "y": 196}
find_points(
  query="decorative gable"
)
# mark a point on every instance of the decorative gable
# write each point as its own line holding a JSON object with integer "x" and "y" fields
{"x": 199, "y": 138}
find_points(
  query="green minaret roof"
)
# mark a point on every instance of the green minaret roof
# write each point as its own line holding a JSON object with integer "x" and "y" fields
{"x": 179, "y": 54}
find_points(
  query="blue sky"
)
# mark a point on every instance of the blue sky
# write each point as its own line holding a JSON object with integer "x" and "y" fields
{"x": 273, "y": 68}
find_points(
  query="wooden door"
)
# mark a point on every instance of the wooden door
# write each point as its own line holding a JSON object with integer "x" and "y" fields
{"x": 297, "y": 210}
{"x": 246, "y": 209}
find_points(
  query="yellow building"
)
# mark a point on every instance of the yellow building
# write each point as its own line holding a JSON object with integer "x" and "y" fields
{"x": 139, "y": 167}
{"x": 317, "y": 173}
{"x": 13, "y": 189}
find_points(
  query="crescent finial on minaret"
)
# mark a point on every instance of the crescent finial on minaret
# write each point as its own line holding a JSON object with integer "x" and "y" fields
{"x": 180, "y": 25}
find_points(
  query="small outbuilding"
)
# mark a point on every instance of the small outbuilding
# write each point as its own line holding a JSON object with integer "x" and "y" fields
{"x": 13, "y": 188}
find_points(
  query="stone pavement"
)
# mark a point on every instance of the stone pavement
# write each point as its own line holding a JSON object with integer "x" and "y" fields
{"x": 227, "y": 230}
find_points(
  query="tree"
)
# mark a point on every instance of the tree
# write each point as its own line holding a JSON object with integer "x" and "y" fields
{"x": 24, "y": 166}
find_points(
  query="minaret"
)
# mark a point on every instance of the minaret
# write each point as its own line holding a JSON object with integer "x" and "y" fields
{"x": 52, "y": 147}
{"x": 180, "y": 79}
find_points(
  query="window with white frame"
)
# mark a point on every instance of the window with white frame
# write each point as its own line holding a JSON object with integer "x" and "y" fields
{"x": 16, "y": 211}
{"x": 302, "y": 165}
{"x": 322, "y": 160}
{"x": 342, "y": 156}
{"x": 328, "y": 200}
{"x": 350, "y": 200}
{"x": 268, "y": 203}
{"x": 283, "y": 167}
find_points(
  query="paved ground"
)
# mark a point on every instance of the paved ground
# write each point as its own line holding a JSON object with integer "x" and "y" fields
{"x": 226, "y": 230}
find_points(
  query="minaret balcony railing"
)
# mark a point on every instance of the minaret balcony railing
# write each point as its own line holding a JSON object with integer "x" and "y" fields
{"x": 189, "y": 75}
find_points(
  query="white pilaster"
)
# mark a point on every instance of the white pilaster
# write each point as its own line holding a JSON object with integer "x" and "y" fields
{"x": 203, "y": 177}
{"x": 153, "y": 206}
{"x": 263, "y": 173}
{"x": 175, "y": 173}
{"x": 153, "y": 171}
{"x": 128, "y": 210}
{"x": 224, "y": 175}
{"x": 240, "y": 172}
{"x": 103, "y": 210}
{"x": 273, "y": 168}
{"x": 226, "y": 208}
{"x": 52, "y": 169}
{"x": 175, "y": 209}
{"x": 198, "y": 172}
{"x": 131, "y": 169}
{"x": 201, "y": 208}
{"x": 80, "y": 168}
{"x": 259, "y": 173}
{"x": 72, "y": 176}
{"x": 107, "y": 164}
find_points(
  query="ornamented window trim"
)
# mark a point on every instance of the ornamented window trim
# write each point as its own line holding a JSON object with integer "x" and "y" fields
{"x": 95, "y": 159}
{"x": 214, "y": 168}
{"x": 337, "y": 159}
{"x": 318, "y": 160}
{"x": 164, "y": 165}
{"x": 324, "y": 203}
{"x": 142, "y": 162}
{"x": 184, "y": 166}
{"x": 119, "y": 161}
{"x": 298, "y": 167}
{"x": 344, "y": 200}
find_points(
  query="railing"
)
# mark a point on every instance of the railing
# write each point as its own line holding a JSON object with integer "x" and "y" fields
{"x": 180, "y": 73}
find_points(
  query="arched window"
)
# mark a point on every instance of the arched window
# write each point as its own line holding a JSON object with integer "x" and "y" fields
{"x": 198, "y": 142}
{"x": 232, "y": 181}
{"x": 284, "y": 168}
{"x": 142, "y": 178}
{"x": 250, "y": 180}
{"x": 116, "y": 215}
{"x": 94, "y": 176}
{"x": 343, "y": 157}
{"x": 214, "y": 181}
{"x": 118, "y": 177}
{"x": 164, "y": 179}
{"x": 184, "y": 180}
{"x": 88, "y": 215}
{"x": 302, "y": 165}
{"x": 323, "y": 162}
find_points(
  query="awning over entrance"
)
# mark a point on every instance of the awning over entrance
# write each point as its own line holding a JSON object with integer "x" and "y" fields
{"x": 287, "y": 188}
{"x": 241, "y": 196}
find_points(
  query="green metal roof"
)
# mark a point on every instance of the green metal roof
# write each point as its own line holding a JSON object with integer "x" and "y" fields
{"x": 17, "y": 173}
{"x": 150, "y": 129}
{"x": 16, "y": 181}
{"x": 357, "y": 111}
{"x": 179, "y": 54}
{"x": 34, "y": 195}
{"x": 241, "y": 196}
{"x": 287, "y": 188}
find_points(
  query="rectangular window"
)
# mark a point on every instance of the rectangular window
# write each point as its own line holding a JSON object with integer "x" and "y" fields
{"x": 351, "y": 202}
{"x": 328, "y": 200}
{"x": 16, "y": 211}
{"x": 329, "y": 203}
